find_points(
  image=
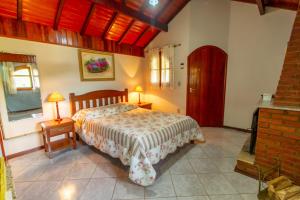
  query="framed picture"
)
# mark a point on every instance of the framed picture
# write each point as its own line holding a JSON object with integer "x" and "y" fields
{"x": 96, "y": 66}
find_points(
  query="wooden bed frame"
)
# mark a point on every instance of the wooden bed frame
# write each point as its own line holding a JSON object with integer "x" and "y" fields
{"x": 96, "y": 99}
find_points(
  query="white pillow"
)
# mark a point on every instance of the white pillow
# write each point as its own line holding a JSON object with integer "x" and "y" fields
{"x": 97, "y": 112}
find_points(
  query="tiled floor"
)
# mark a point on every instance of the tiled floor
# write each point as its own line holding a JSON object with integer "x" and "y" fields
{"x": 195, "y": 172}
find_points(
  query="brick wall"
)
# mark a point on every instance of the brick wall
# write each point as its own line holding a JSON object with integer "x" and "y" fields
{"x": 279, "y": 136}
{"x": 288, "y": 89}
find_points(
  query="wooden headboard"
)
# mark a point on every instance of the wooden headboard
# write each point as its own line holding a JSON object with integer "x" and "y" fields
{"x": 96, "y": 99}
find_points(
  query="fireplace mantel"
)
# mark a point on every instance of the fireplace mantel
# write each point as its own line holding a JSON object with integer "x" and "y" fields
{"x": 270, "y": 105}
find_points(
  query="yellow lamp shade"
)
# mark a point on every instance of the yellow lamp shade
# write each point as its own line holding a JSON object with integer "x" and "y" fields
{"x": 138, "y": 89}
{"x": 55, "y": 97}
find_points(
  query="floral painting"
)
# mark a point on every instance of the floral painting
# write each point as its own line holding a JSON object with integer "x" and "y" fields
{"x": 96, "y": 66}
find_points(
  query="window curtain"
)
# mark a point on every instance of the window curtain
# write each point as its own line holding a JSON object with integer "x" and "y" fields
{"x": 7, "y": 76}
{"x": 153, "y": 62}
{"x": 167, "y": 66}
{"x": 34, "y": 76}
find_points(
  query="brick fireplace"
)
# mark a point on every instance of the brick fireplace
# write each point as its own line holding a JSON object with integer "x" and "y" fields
{"x": 278, "y": 133}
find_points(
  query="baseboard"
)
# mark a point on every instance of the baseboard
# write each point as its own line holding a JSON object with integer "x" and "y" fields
{"x": 21, "y": 153}
{"x": 238, "y": 129}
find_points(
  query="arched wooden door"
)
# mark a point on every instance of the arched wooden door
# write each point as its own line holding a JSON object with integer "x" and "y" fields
{"x": 206, "y": 85}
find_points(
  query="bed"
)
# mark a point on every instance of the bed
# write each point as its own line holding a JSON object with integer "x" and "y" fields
{"x": 139, "y": 137}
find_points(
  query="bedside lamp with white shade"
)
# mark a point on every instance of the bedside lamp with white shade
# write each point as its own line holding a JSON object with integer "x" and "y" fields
{"x": 139, "y": 89}
{"x": 56, "y": 97}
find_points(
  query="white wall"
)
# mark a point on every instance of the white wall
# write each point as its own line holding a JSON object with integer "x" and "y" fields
{"x": 255, "y": 45}
{"x": 201, "y": 22}
{"x": 59, "y": 71}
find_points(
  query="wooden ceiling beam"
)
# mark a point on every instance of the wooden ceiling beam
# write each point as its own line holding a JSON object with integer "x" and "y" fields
{"x": 19, "y": 10}
{"x": 161, "y": 12}
{"x": 178, "y": 10}
{"x": 156, "y": 16}
{"x": 58, "y": 14}
{"x": 126, "y": 31}
{"x": 141, "y": 35}
{"x": 143, "y": 7}
{"x": 88, "y": 18}
{"x": 133, "y": 14}
{"x": 277, "y": 4}
{"x": 261, "y": 6}
{"x": 109, "y": 25}
{"x": 163, "y": 9}
{"x": 153, "y": 36}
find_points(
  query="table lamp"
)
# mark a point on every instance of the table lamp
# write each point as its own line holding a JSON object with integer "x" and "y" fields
{"x": 139, "y": 89}
{"x": 56, "y": 97}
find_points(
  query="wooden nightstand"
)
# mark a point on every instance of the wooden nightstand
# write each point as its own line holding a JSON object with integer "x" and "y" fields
{"x": 54, "y": 128}
{"x": 145, "y": 105}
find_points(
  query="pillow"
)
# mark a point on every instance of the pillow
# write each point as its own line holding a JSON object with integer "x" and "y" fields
{"x": 97, "y": 112}
{"x": 124, "y": 107}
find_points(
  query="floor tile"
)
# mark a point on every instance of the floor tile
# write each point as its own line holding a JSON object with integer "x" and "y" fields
{"x": 194, "y": 198}
{"x": 79, "y": 171}
{"x": 225, "y": 164}
{"x": 31, "y": 173}
{"x": 213, "y": 151}
{"x": 162, "y": 187}
{"x": 65, "y": 157}
{"x": 40, "y": 190}
{"x": 196, "y": 152}
{"x": 182, "y": 167}
{"x": 226, "y": 197}
{"x": 21, "y": 187}
{"x": 99, "y": 189}
{"x": 105, "y": 170}
{"x": 187, "y": 185}
{"x": 249, "y": 196}
{"x": 70, "y": 190}
{"x": 42, "y": 159}
{"x": 241, "y": 183}
{"x": 55, "y": 172}
{"x": 19, "y": 161}
{"x": 17, "y": 170}
{"x": 203, "y": 165}
{"x": 127, "y": 190}
{"x": 216, "y": 184}
{"x": 167, "y": 198}
{"x": 213, "y": 162}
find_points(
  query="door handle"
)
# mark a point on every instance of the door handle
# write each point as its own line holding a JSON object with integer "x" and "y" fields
{"x": 192, "y": 90}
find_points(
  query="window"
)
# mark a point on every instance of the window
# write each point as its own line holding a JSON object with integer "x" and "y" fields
{"x": 155, "y": 66}
{"x": 36, "y": 79}
{"x": 22, "y": 78}
{"x": 162, "y": 66}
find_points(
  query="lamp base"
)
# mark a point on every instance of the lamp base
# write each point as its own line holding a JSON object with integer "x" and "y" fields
{"x": 58, "y": 120}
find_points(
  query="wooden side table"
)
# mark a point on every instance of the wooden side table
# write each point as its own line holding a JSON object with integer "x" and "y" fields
{"x": 145, "y": 105}
{"x": 54, "y": 128}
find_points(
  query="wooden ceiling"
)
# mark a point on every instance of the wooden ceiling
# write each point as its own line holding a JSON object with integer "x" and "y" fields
{"x": 120, "y": 26}
{"x": 132, "y": 22}
{"x": 285, "y": 4}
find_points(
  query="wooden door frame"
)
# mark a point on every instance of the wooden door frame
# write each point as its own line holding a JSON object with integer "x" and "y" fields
{"x": 188, "y": 77}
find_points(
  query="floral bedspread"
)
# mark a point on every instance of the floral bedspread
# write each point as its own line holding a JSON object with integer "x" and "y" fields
{"x": 138, "y": 137}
